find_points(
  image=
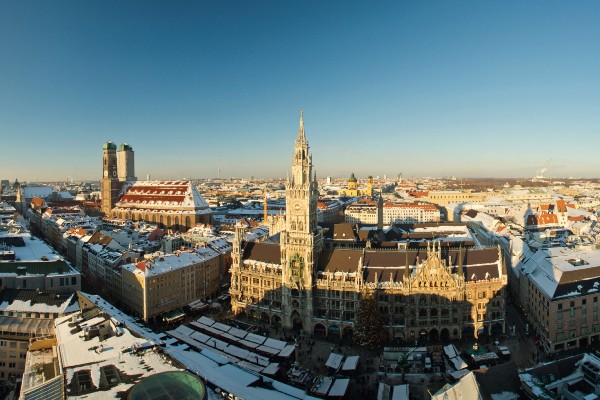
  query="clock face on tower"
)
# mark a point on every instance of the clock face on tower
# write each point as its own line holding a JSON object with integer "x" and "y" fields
{"x": 105, "y": 173}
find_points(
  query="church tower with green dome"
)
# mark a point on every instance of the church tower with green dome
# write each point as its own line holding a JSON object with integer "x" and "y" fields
{"x": 110, "y": 180}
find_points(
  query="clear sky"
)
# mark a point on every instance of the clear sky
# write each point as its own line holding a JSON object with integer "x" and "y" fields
{"x": 424, "y": 88}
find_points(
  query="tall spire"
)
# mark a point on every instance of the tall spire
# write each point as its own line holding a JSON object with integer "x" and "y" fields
{"x": 301, "y": 136}
{"x": 265, "y": 207}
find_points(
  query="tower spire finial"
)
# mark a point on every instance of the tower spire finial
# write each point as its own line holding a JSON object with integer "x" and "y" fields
{"x": 301, "y": 129}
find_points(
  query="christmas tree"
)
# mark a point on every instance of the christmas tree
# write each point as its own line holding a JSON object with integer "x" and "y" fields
{"x": 369, "y": 330}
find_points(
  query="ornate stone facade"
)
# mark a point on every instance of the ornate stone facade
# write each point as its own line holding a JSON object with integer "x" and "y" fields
{"x": 434, "y": 292}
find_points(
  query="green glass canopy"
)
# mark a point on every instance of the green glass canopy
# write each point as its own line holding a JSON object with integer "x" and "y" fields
{"x": 175, "y": 385}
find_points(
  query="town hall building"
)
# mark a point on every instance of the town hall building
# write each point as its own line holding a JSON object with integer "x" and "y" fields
{"x": 293, "y": 280}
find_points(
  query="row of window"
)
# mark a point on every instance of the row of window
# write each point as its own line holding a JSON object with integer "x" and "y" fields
{"x": 572, "y": 333}
{"x": 29, "y": 314}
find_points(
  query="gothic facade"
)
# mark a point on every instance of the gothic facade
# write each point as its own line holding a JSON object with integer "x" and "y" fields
{"x": 294, "y": 280}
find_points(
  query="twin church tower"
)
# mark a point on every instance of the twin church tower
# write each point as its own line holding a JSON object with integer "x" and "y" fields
{"x": 117, "y": 168}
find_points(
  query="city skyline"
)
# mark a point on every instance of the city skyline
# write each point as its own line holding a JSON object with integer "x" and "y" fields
{"x": 465, "y": 89}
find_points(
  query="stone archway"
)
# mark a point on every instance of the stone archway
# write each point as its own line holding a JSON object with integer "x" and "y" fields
{"x": 399, "y": 336}
{"x": 319, "y": 330}
{"x": 434, "y": 334}
{"x": 296, "y": 320}
{"x": 497, "y": 329}
{"x": 347, "y": 332}
{"x": 276, "y": 320}
{"x": 264, "y": 317}
{"x": 468, "y": 333}
{"x": 333, "y": 331}
{"x": 482, "y": 333}
{"x": 445, "y": 335}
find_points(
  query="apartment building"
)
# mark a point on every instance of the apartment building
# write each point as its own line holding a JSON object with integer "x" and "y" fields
{"x": 165, "y": 282}
{"x": 410, "y": 213}
{"x": 558, "y": 290}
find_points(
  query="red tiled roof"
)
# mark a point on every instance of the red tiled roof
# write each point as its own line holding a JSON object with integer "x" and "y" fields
{"x": 37, "y": 201}
{"x": 470, "y": 213}
{"x": 156, "y": 234}
{"x": 542, "y": 219}
{"x": 166, "y": 191}
{"x": 141, "y": 265}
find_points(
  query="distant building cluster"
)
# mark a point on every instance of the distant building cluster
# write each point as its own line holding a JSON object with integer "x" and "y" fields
{"x": 441, "y": 262}
{"x": 123, "y": 259}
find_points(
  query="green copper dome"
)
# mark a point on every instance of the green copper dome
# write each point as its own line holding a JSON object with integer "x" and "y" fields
{"x": 125, "y": 146}
{"x": 352, "y": 178}
{"x": 108, "y": 145}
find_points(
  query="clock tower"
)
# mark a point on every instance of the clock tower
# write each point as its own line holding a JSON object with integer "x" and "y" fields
{"x": 301, "y": 240}
{"x": 110, "y": 181}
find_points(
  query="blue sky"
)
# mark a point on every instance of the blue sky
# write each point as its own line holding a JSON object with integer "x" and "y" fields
{"x": 432, "y": 88}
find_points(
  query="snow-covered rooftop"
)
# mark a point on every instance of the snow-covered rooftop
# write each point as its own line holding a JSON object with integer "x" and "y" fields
{"x": 38, "y": 302}
{"x": 33, "y": 250}
{"x": 164, "y": 263}
{"x": 208, "y": 365}
{"x": 30, "y": 192}
{"x": 161, "y": 195}
{"x": 78, "y": 354}
{"x": 549, "y": 268}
